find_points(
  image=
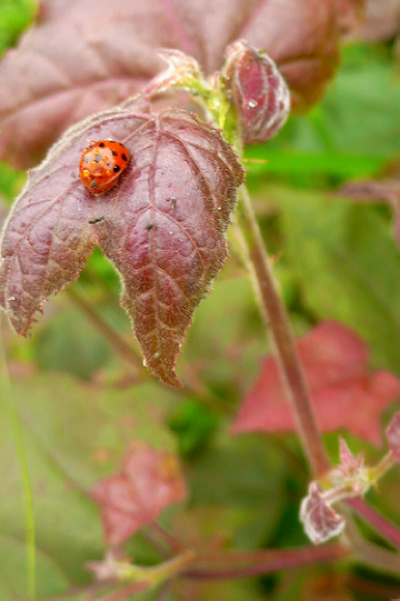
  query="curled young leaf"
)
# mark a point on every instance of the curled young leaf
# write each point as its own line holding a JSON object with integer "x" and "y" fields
{"x": 350, "y": 474}
{"x": 320, "y": 521}
{"x": 162, "y": 224}
{"x": 258, "y": 91}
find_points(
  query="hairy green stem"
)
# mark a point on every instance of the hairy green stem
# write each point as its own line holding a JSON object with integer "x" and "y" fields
{"x": 273, "y": 309}
{"x": 385, "y": 464}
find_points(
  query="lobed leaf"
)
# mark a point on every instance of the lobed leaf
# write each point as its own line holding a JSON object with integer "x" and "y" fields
{"x": 148, "y": 482}
{"x": 162, "y": 225}
{"x": 80, "y": 58}
{"x": 345, "y": 393}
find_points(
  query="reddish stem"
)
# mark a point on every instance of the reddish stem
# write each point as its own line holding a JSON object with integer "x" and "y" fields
{"x": 288, "y": 359}
{"x": 126, "y": 592}
{"x": 375, "y": 519}
{"x": 233, "y": 564}
{"x": 159, "y": 534}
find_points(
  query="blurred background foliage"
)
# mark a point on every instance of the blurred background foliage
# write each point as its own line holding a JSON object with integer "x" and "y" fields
{"x": 80, "y": 403}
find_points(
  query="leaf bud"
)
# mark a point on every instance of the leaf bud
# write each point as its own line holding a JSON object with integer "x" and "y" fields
{"x": 254, "y": 85}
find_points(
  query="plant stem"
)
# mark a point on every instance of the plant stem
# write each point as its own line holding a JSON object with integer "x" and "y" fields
{"x": 275, "y": 314}
{"x": 228, "y": 565}
{"x": 381, "y": 525}
{"x": 126, "y": 592}
{"x": 174, "y": 545}
{"x": 377, "y": 557}
{"x": 387, "y": 462}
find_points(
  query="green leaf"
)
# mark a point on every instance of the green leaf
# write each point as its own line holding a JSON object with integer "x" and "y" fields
{"x": 309, "y": 164}
{"x": 352, "y": 133}
{"x": 69, "y": 343}
{"x": 194, "y": 424}
{"x": 361, "y": 111}
{"x": 11, "y": 181}
{"x": 15, "y": 16}
{"x": 74, "y": 434}
{"x": 238, "y": 485}
{"x": 226, "y": 340}
{"x": 346, "y": 261}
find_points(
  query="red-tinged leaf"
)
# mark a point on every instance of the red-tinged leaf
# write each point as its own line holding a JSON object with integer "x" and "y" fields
{"x": 350, "y": 466}
{"x": 320, "y": 521}
{"x": 186, "y": 180}
{"x": 351, "y": 473}
{"x": 393, "y": 435}
{"x": 47, "y": 237}
{"x": 350, "y": 14}
{"x": 258, "y": 91}
{"x": 381, "y": 21}
{"x": 79, "y": 58}
{"x": 345, "y": 393}
{"x": 148, "y": 482}
{"x": 162, "y": 225}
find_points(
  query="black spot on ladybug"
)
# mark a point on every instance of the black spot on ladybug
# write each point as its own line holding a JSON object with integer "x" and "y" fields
{"x": 116, "y": 168}
{"x": 115, "y": 153}
{"x": 101, "y": 144}
{"x": 124, "y": 158}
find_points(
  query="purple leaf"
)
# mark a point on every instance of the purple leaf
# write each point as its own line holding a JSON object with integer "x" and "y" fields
{"x": 162, "y": 225}
{"x": 79, "y": 57}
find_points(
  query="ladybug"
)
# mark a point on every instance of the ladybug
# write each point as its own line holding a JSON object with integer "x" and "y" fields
{"x": 101, "y": 165}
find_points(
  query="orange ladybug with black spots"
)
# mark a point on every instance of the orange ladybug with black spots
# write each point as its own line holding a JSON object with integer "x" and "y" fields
{"x": 101, "y": 165}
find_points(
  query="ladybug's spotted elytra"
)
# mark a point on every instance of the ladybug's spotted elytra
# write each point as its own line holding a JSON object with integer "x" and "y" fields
{"x": 101, "y": 164}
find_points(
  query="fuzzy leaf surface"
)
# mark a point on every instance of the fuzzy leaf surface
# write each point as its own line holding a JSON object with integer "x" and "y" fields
{"x": 78, "y": 59}
{"x": 320, "y": 521}
{"x": 162, "y": 225}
